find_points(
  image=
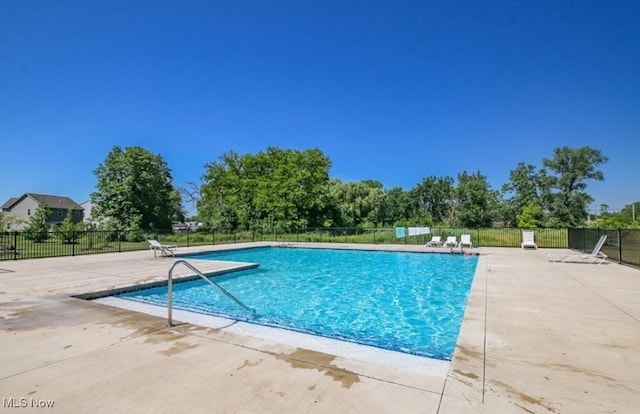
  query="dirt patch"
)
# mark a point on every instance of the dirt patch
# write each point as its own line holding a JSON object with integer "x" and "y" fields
{"x": 469, "y": 353}
{"x": 177, "y": 348}
{"x": 307, "y": 359}
{"x": 583, "y": 371}
{"x": 249, "y": 364}
{"x": 522, "y": 397}
{"x": 467, "y": 374}
{"x": 160, "y": 336}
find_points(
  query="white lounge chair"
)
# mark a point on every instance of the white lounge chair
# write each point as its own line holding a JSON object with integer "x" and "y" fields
{"x": 435, "y": 241}
{"x": 452, "y": 241}
{"x": 164, "y": 249}
{"x": 465, "y": 240}
{"x": 528, "y": 239}
{"x": 595, "y": 257}
{"x": 283, "y": 243}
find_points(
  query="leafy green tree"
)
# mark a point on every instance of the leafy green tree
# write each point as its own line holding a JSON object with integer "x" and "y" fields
{"x": 476, "y": 202}
{"x": 435, "y": 199}
{"x": 359, "y": 203}
{"x": 135, "y": 188}
{"x": 36, "y": 229}
{"x": 527, "y": 189}
{"x": 68, "y": 231}
{"x": 135, "y": 232}
{"x": 9, "y": 222}
{"x": 608, "y": 220}
{"x": 398, "y": 207}
{"x": 570, "y": 167}
{"x": 630, "y": 212}
{"x": 376, "y": 199}
{"x": 4, "y": 222}
{"x": 332, "y": 213}
{"x": 622, "y": 219}
{"x": 293, "y": 186}
{"x": 226, "y": 199}
{"x": 276, "y": 186}
{"x": 530, "y": 216}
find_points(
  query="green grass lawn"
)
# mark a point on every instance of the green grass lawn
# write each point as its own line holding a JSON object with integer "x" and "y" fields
{"x": 554, "y": 238}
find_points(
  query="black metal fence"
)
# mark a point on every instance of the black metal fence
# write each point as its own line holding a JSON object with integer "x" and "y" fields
{"x": 25, "y": 245}
{"x": 487, "y": 237}
{"x": 622, "y": 245}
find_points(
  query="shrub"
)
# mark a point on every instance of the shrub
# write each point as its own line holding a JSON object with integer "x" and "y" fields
{"x": 68, "y": 231}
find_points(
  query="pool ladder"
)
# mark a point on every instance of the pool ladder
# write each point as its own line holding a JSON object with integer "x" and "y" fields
{"x": 199, "y": 273}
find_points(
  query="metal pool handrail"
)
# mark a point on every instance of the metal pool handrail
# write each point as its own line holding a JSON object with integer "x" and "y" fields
{"x": 199, "y": 273}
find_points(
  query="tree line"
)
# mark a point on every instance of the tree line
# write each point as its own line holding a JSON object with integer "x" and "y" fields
{"x": 284, "y": 189}
{"x": 289, "y": 188}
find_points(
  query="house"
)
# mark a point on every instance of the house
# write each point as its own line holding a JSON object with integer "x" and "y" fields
{"x": 22, "y": 208}
{"x": 87, "y": 207}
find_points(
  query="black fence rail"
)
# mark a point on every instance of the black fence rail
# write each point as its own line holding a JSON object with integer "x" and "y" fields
{"x": 28, "y": 245}
{"x": 487, "y": 237}
{"x": 25, "y": 245}
{"x": 622, "y": 245}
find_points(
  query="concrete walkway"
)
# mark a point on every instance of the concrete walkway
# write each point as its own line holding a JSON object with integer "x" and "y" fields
{"x": 537, "y": 337}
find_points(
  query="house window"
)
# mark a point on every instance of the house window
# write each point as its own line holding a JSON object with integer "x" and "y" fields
{"x": 28, "y": 212}
{"x": 59, "y": 213}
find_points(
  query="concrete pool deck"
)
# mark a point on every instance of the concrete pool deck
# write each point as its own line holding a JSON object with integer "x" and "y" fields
{"x": 537, "y": 337}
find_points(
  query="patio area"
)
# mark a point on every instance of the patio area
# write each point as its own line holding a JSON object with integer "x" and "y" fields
{"x": 537, "y": 337}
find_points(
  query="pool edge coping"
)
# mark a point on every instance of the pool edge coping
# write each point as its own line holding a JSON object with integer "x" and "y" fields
{"x": 163, "y": 282}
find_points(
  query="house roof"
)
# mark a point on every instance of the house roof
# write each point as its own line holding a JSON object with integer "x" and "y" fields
{"x": 9, "y": 202}
{"x": 50, "y": 201}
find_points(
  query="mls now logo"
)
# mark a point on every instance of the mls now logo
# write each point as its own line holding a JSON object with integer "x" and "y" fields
{"x": 26, "y": 403}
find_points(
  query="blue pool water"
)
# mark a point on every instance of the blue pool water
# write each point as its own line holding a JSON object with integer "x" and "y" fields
{"x": 407, "y": 302}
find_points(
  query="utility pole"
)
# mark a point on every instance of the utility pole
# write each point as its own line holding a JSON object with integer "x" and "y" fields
{"x": 633, "y": 211}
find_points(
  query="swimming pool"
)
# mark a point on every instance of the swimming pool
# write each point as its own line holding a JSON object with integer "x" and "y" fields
{"x": 407, "y": 302}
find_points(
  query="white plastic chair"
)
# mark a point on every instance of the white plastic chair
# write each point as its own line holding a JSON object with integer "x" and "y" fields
{"x": 435, "y": 241}
{"x": 452, "y": 241}
{"x": 528, "y": 239}
{"x": 595, "y": 257}
{"x": 164, "y": 249}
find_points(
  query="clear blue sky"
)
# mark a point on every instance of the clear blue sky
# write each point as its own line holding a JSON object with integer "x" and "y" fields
{"x": 393, "y": 91}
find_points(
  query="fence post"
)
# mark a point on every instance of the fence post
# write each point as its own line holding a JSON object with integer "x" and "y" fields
{"x": 188, "y": 237}
{"x": 15, "y": 245}
{"x": 619, "y": 245}
{"x": 73, "y": 243}
{"x": 374, "y": 236}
